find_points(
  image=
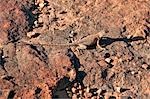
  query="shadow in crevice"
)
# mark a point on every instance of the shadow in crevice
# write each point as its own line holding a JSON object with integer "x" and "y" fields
{"x": 40, "y": 52}
{"x": 80, "y": 77}
{"x": 74, "y": 60}
{"x": 105, "y": 41}
{"x": 11, "y": 94}
{"x": 2, "y": 60}
{"x": 30, "y": 17}
{"x": 60, "y": 90}
{"x": 76, "y": 63}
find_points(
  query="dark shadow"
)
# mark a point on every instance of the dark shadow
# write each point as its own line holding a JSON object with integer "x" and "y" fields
{"x": 93, "y": 91}
{"x": 60, "y": 89}
{"x": 2, "y": 60}
{"x": 105, "y": 41}
{"x": 76, "y": 63}
{"x": 30, "y": 17}
{"x": 40, "y": 52}
{"x": 1, "y": 92}
{"x": 148, "y": 67}
{"x": 8, "y": 78}
{"x": 123, "y": 89}
{"x": 11, "y": 94}
{"x": 80, "y": 76}
{"x": 74, "y": 60}
{"x": 104, "y": 74}
{"x": 112, "y": 97}
{"x": 35, "y": 35}
{"x": 147, "y": 31}
{"x": 37, "y": 92}
{"x": 92, "y": 46}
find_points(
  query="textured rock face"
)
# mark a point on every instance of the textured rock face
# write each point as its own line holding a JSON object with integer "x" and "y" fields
{"x": 13, "y": 21}
{"x": 37, "y": 71}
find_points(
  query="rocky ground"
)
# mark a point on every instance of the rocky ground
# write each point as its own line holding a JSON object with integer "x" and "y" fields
{"x": 34, "y": 71}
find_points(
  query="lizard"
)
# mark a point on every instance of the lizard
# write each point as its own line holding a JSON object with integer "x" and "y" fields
{"x": 81, "y": 44}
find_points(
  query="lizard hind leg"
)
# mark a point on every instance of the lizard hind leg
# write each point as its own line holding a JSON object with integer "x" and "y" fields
{"x": 82, "y": 46}
{"x": 98, "y": 45}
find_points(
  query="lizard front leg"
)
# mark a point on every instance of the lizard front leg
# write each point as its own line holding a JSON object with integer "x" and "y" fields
{"x": 79, "y": 48}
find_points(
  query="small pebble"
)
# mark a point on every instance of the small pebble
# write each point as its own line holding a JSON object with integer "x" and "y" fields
{"x": 72, "y": 74}
{"x": 108, "y": 60}
{"x": 76, "y": 85}
{"x": 30, "y": 34}
{"x": 118, "y": 89}
{"x": 74, "y": 96}
{"x": 145, "y": 66}
{"x": 40, "y": 19}
{"x": 41, "y": 4}
{"x": 132, "y": 72}
{"x": 88, "y": 89}
{"x": 79, "y": 87}
{"x": 80, "y": 92}
{"x": 73, "y": 90}
{"x": 71, "y": 35}
{"x": 3, "y": 56}
{"x": 99, "y": 91}
{"x": 36, "y": 23}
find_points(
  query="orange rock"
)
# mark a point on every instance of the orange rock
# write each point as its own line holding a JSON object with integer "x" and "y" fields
{"x": 102, "y": 63}
{"x": 61, "y": 63}
{"x": 5, "y": 88}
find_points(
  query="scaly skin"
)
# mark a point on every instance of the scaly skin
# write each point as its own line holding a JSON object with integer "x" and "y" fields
{"x": 88, "y": 40}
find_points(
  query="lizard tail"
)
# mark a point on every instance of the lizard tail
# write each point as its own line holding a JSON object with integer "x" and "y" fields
{"x": 71, "y": 44}
{"x": 68, "y": 44}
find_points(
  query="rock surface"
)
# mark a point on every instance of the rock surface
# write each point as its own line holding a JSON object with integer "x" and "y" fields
{"x": 32, "y": 71}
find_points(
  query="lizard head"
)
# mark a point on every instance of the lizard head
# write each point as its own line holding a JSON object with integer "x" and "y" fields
{"x": 101, "y": 33}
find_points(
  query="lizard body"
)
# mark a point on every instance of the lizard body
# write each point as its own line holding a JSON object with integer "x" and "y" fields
{"x": 83, "y": 43}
